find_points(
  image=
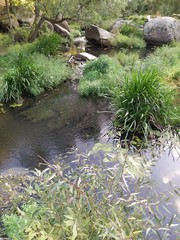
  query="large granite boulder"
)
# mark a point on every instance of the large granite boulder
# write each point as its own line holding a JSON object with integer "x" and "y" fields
{"x": 24, "y": 17}
{"x": 65, "y": 25}
{"x": 98, "y": 35}
{"x": 162, "y": 30}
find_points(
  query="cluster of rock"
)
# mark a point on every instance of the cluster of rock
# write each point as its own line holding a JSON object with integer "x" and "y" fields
{"x": 157, "y": 31}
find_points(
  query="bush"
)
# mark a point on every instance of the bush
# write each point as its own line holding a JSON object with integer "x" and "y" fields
{"x": 48, "y": 44}
{"x": 144, "y": 103}
{"x": 100, "y": 77}
{"x": 122, "y": 41}
{"x": 87, "y": 202}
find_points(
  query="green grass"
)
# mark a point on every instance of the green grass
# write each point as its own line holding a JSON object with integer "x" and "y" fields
{"x": 48, "y": 44}
{"x": 131, "y": 42}
{"x": 100, "y": 77}
{"x": 30, "y": 74}
{"x": 131, "y": 30}
{"x": 144, "y": 103}
{"x": 128, "y": 60}
{"x": 5, "y": 41}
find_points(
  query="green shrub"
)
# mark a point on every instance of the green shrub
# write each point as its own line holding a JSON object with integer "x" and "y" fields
{"x": 89, "y": 202}
{"x": 122, "y": 41}
{"x": 48, "y": 44}
{"x": 144, "y": 103}
{"x": 100, "y": 77}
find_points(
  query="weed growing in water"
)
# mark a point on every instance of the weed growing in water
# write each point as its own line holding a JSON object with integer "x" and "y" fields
{"x": 144, "y": 103}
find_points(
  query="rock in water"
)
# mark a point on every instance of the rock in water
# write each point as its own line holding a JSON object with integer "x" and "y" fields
{"x": 98, "y": 35}
{"x": 162, "y": 30}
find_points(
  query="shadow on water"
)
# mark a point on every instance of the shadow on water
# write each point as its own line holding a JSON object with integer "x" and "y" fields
{"x": 59, "y": 121}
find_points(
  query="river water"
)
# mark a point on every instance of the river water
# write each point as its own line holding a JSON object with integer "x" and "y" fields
{"x": 60, "y": 120}
{"x": 49, "y": 126}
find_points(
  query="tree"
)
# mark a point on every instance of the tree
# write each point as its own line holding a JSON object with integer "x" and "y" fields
{"x": 56, "y": 11}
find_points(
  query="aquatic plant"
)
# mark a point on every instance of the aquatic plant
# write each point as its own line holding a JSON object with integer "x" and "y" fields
{"x": 144, "y": 102}
{"x": 87, "y": 202}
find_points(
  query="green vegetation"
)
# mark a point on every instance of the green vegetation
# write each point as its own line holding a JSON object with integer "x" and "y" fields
{"x": 128, "y": 60}
{"x": 26, "y": 72}
{"x": 5, "y": 40}
{"x": 131, "y": 30}
{"x": 142, "y": 91}
{"x": 131, "y": 42}
{"x": 48, "y": 44}
{"x": 143, "y": 103}
{"x": 88, "y": 202}
{"x": 100, "y": 77}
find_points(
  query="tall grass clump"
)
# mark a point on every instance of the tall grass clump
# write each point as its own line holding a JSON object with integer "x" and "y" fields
{"x": 5, "y": 40}
{"x": 144, "y": 103}
{"x": 100, "y": 77}
{"x": 87, "y": 202}
{"x": 31, "y": 74}
{"x": 132, "y": 42}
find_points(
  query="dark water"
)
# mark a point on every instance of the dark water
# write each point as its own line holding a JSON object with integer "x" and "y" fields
{"x": 51, "y": 125}
{"x": 61, "y": 120}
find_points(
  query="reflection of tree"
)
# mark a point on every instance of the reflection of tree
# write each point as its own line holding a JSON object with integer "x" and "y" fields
{"x": 50, "y": 127}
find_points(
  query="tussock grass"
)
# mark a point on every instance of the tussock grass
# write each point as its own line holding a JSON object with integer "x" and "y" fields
{"x": 144, "y": 103}
{"x": 30, "y": 74}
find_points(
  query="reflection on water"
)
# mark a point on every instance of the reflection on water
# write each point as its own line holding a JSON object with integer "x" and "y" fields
{"x": 50, "y": 126}
{"x": 166, "y": 176}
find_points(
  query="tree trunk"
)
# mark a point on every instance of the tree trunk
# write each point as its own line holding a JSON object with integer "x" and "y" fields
{"x": 9, "y": 19}
{"x": 34, "y": 33}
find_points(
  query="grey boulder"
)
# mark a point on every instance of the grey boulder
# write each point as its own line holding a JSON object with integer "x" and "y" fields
{"x": 162, "y": 30}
